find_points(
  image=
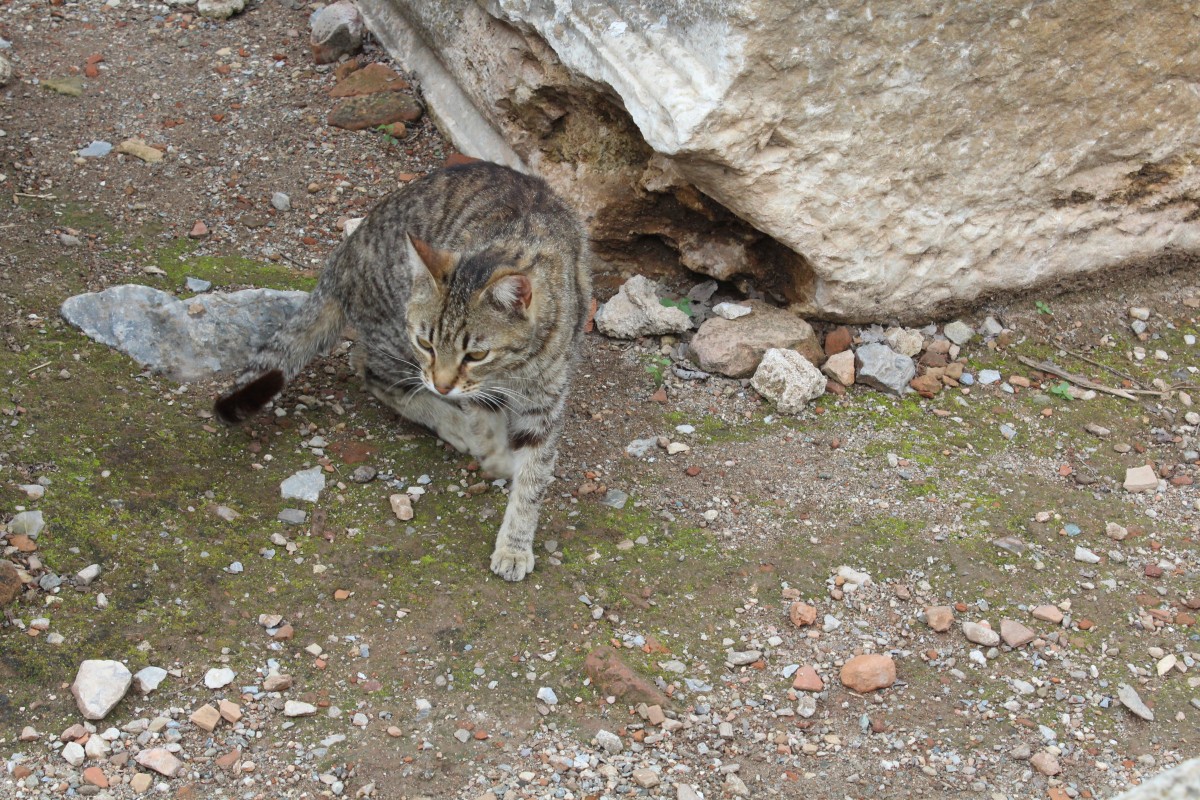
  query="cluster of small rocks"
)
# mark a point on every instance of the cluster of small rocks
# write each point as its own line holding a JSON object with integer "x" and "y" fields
{"x": 782, "y": 355}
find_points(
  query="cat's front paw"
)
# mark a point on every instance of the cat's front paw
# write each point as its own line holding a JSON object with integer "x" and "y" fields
{"x": 512, "y": 565}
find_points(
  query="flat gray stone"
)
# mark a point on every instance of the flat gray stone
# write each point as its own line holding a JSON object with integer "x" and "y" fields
{"x": 293, "y": 516}
{"x": 186, "y": 340}
{"x": 304, "y": 485}
{"x": 1133, "y": 701}
{"x": 881, "y": 367}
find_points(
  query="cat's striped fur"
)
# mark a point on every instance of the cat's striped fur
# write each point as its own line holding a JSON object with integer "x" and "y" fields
{"x": 469, "y": 290}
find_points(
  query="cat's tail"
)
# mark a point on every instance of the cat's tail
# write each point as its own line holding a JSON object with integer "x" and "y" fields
{"x": 313, "y": 330}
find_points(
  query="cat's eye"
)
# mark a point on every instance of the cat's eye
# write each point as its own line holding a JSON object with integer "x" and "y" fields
{"x": 424, "y": 343}
{"x": 477, "y": 355}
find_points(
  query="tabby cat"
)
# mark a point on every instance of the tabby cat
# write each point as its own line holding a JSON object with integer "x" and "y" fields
{"x": 469, "y": 289}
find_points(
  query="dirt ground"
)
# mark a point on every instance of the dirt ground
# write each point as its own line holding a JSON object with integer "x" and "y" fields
{"x": 424, "y": 668}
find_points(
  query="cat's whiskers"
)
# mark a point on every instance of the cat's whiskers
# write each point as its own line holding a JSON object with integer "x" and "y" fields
{"x": 394, "y": 357}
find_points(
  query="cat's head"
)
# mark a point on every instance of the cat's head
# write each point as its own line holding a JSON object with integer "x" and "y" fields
{"x": 470, "y": 320}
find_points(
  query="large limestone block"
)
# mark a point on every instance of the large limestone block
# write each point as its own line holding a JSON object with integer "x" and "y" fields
{"x": 1180, "y": 783}
{"x": 889, "y": 159}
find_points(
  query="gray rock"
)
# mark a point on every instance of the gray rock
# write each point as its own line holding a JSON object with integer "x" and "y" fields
{"x": 609, "y": 742}
{"x": 639, "y": 447}
{"x": 6, "y": 70}
{"x": 220, "y": 9}
{"x": 988, "y": 376}
{"x": 740, "y": 658}
{"x": 197, "y": 285}
{"x": 636, "y": 311}
{"x": 293, "y": 516}
{"x": 337, "y": 30}
{"x": 185, "y": 340}
{"x": 1133, "y": 701}
{"x": 992, "y": 327}
{"x": 96, "y": 149}
{"x": 547, "y": 696}
{"x": 147, "y": 679}
{"x": 958, "y": 332}
{"x": 363, "y": 474}
{"x": 788, "y": 379}
{"x": 281, "y": 202}
{"x": 1180, "y": 783}
{"x": 304, "y": 485}
{"x": 615, "y": 498}
{"x": 28, "y": 523}
{"x": 881, "y": 367}
{"x": 99, "y": 686}
{"x": 736, "y": 347}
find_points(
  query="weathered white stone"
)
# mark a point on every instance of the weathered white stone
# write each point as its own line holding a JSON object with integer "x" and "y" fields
{"x": 337, "y": 30}
{"x": 905, "y": 341}
{"x": 980, "y": 634}
{"x": 219, "y": 677}
{"x": 788, "y": 379}
{"x": 975, "y": 162}
{"x": 635, "y": 310}
{"x": 295, "y": 708}
{"x": 88, "y": 574}
{"x": 731, "y": 310}
{"x": 99, "y": 685}
{"x": 220, "y": 9}
{"x": 73, "y": 753}
{"x": 147, "y": 679}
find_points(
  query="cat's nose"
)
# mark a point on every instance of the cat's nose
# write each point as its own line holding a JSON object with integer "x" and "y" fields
{"x": 443, "y": 388}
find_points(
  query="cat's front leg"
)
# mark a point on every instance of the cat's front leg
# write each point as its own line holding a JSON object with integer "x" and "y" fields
{"x": 533, "y": 470}
{"x": 489, "y": 442}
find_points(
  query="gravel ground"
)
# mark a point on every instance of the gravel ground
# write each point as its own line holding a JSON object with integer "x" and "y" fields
{"x": 734, "y": 580}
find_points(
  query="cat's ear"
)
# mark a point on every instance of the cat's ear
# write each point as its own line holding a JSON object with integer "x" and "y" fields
{"x": 513, "y": 292}
{"x": 439, "y": 263}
